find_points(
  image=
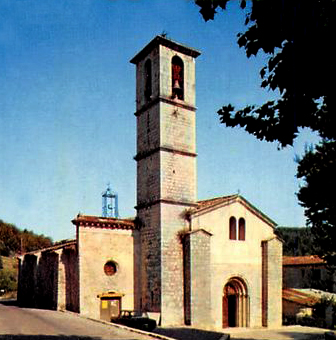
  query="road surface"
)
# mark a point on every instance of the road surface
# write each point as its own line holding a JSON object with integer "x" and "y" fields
{"x": 37, "y": 324}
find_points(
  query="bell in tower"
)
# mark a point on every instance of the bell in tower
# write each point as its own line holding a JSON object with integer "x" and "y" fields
{"x": 177, "y": 78}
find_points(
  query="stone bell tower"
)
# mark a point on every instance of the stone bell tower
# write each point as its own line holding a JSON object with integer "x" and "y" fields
{"x": 166, "y": 170}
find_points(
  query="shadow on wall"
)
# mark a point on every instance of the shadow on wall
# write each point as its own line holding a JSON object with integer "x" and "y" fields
{"x": 38, "y": 285}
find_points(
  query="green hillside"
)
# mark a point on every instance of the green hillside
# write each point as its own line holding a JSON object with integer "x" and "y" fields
{"x": 8, "y": 275}
{"x": 13, "y": 242}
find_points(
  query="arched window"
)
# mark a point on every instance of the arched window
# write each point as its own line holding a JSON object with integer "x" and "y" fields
{"x": 177, "y": 78}
{"x": 233, "y": 228}
{"x": 241, "y": 229}
{"x": 148, "y": 79}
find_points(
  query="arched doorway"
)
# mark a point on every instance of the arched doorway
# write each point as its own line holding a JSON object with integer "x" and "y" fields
{"x": 235, "y": 303}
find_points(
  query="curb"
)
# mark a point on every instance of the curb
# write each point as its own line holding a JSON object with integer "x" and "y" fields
{"x": 133, "y": 330}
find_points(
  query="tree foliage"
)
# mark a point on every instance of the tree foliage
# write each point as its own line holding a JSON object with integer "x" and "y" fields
{"x": 297, "y": 241}
{"x": 14, "y": 241}
{"x": 318, "y": 169}
{"x": 8, "y": 280}
{"x": 297, "y": 36}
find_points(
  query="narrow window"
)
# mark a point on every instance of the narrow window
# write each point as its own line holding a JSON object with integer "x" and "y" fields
{"x": 233, "y": 229}
{"x": 148, "y": 79}
{"x": 177, "y": 78}
{"x": 241, "y": 226}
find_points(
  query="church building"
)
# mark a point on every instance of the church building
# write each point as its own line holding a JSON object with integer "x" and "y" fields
{"x": 210, "y": 264}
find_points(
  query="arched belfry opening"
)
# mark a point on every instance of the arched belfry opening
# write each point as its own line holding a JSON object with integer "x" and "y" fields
{"x": 177, "y": 78}
{"x": 235, "y": 303}
{"x": 148, "y": 79}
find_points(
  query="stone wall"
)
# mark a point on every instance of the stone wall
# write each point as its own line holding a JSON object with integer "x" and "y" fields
{"x": 166, "y": 179}
{"x": 150, "y": 258}
{"x": 48, "y": 279}
{"x": 197, "y": 279}
{"x": 235, "y": 258}
{"x": 272, "y": 282}
{"x": 172, "y": 304}
{"x": 177, "y": 127}
{"x": 308, "y": 276}
{"x": 97, "y": 246}
{"x": 27, "y": 281}
{"x": 178, "y": 178}
{"x": 140, "y": 79}
{"x": 69, "y": 262}
{"x": 166, "y": 55}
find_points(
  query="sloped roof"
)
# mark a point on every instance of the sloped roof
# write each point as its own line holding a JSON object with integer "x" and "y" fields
{"x": 299, "y": 297}
{"x": 302, "y": 260}
{"x": 214, "y": 201}
{"x": 208, "y": 205}
{"x": 104, "y": 222}
{"x": 161, "y": 40}
{"x": 56, "y": 246}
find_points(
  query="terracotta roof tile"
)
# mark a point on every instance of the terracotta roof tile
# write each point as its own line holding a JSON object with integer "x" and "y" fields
{"x": 104, "y": 222}
{"x": 214, "y": 201}
{"x": 299, "y": 297}
{"x": 206, "y": 205}
{"x": 56, "y": 246}
{"x": 301, "y": 260}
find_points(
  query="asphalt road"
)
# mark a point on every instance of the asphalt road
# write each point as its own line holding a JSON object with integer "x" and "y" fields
{"x": 37, "y": 324}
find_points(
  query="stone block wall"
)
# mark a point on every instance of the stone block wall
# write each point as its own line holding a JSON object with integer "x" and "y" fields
{"x": 97, "y": 246}
{"x": 197, "y": 279}
{"x": 237, "y": 259}
{"x": 166, "y": 56}
{"x": 27, "y": 281}
{"x": 150, "y": 264}
{"x": 148, "y": 130}
{"x": 177, "y": 127}
{"x": 69, "y": 281}
{"x": 49, "y": 280}
{"x": 162, "y": 261}
{"x": 178, "y": 177}
{"x": 272, "y": 282}
{"x": 148, "y": 179}
{"x": 172, "y": 304}
{"x": 250, "y": 274}
{"x": 308, "y": 276}
{"x": 166, "y": 175}
{"x": 140, "y": 78}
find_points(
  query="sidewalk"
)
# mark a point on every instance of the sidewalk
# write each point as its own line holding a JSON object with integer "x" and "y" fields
{"x": 283, "y": 333}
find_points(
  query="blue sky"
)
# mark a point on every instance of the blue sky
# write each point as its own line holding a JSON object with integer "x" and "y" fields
{"x": 67, "y": 102}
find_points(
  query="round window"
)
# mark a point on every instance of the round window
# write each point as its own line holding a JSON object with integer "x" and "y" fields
{"x": 110, "y": 268}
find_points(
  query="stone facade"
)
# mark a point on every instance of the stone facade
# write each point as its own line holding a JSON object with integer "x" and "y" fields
{"x": 101, "y": 242}
{"x": 272, "y": 282}
{"x": 242, "y": 259}
{"x": 49, "y": 278}
{"x": 211, "y": 264}
{"x": 166, "y": 171}
{"x": 197, "y": 271}
{"x": 308, "y": 272}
